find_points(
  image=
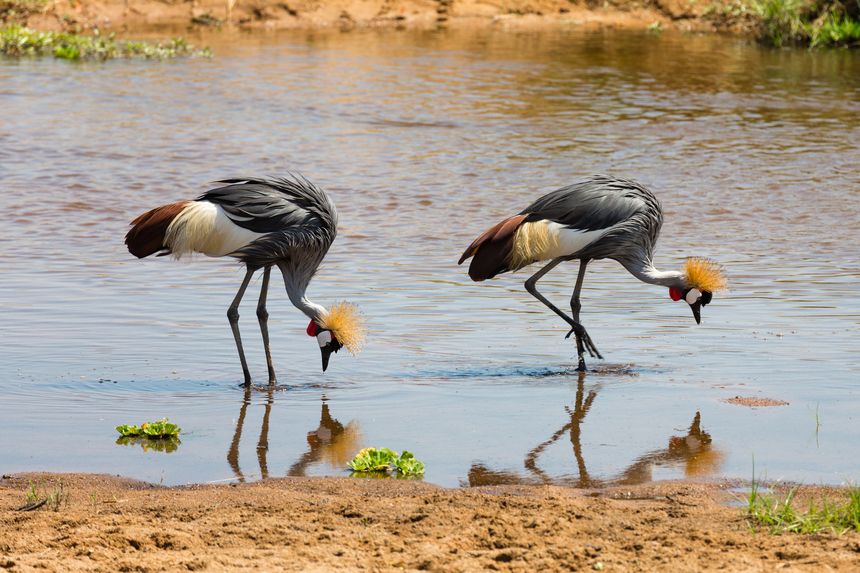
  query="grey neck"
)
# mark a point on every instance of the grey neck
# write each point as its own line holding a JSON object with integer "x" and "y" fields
{"x": 648, "y": 274}
{"x": 311, "y": 309}
{"x": 296, "y": 291}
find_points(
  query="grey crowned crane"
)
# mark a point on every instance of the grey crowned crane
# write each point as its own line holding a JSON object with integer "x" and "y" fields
{"x": 286, "y": 222}
{"x": 598, "y": 218}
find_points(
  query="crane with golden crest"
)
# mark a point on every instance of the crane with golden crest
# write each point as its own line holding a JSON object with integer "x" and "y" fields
{"x": 287, "y": 223}
{"x": 600, "y": 217}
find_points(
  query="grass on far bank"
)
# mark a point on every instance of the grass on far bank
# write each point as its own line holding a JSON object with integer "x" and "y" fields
{"x": 817, "y": 23}
{"x": 777, "y": 513}
{"x": 16, "y": 40}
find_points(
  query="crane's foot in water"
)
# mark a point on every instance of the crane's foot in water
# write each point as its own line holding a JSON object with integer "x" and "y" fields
{"x": 583, "y": 340}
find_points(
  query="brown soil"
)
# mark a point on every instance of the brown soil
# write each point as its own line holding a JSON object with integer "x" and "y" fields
{"x": 753, "y": 402}
{"x": 138, "y": 15}
{"x": 324, "y": 524}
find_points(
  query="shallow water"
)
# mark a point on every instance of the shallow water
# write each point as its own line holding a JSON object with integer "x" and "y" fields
{"x": 424, "y": 139}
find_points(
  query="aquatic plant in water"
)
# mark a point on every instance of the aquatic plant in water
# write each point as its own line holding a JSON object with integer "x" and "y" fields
{"x": 18, "y": 41}
{"x": 383, "y": 460}
{"x": 408, "y": 465}
{"x": 161, "y": 429}
{"x": 160, "y": 436}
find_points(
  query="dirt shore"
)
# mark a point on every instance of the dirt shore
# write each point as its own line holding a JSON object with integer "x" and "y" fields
{"x": 139, "y": 15}
{"x": 105, "y": 523}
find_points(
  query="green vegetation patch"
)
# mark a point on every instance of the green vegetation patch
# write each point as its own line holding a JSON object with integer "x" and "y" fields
{"x": 778, "y": 513}
{"x": 18, "y": 41}
{"x": 162, "y": 429}
{"x": 160, "y": 436}
{"x": 836, "y": 29}
{"x": 816, "y": 23}
{"x": 383, "y": 460}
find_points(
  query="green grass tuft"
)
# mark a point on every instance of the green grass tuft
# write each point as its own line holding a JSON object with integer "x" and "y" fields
{"x": 777, "y": 512}
{"x": 35, "y": 499}
{"x": 782, "y": 22}
{"x": 830, "y": 23}
{"x": 836, "y": 30}
{"x": 18, "y": 41}
{"x": 32, "y": 494}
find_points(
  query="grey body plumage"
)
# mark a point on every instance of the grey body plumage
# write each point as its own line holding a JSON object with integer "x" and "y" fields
{"x": 629, "y": 209}
{"x": 299, "y": 219}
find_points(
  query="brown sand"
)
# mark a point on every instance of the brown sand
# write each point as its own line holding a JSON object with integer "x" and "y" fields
{"x": 325, "y": 524}
{"x": 140, "y": 15}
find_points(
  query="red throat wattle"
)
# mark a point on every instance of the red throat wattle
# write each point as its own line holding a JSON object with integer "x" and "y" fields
{"x": 675, "y": 293}
{"x": 313, "y": 328}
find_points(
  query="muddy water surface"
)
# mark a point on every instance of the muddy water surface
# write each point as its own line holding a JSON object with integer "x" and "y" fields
{"x": 423, "y": 140}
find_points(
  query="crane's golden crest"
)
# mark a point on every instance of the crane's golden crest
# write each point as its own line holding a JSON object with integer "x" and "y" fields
{"x": 704, "y": 274}
{"x": 347, "y": 324}
{"x": 531, "y": 243}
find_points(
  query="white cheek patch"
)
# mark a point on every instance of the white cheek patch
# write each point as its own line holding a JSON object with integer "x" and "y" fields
{"x": 323, "y": 338}
{"x": 693, "y": 295}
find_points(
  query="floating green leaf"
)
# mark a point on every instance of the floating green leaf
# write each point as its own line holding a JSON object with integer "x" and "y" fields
{"x": 382, "y": 460}
{"x": 161, "y": 429}
{"x": 409, "y": 465}
{"x": 373, "y": 460}
{"x": 128, "y": 431}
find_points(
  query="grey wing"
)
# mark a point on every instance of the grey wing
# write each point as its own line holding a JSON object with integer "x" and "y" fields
{"x": 598, "y": 202}
{"x": 272, "y": 205}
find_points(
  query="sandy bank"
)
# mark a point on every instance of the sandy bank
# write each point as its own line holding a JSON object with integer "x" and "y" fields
{"x": 134, "y": 15}
{"x": 323, "y": 524}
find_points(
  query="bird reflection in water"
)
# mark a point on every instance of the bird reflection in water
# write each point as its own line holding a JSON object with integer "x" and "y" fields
{"x": 694, "y": 451}
{"x": 331, "y": 441}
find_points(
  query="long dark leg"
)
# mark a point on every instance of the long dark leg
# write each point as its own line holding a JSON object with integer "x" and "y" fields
{"x": 531, "y": 286}
{"x": 263, "y": 317}
{"x": 575, "y": 307}
{"x": 233, "y": 317}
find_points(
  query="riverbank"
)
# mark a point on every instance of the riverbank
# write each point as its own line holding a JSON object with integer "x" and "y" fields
{"x": 144, "y": 15}
{"x": 103, "y": 523}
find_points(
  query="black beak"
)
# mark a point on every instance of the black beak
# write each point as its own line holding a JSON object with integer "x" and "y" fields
{"x": 696, "y": 307}
{"x": 326, "y": 352}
